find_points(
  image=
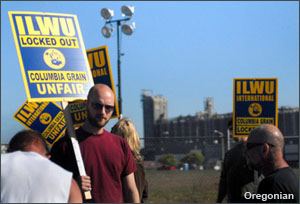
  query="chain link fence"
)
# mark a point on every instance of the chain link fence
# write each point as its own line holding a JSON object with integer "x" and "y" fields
{"x": 213, "y": 149}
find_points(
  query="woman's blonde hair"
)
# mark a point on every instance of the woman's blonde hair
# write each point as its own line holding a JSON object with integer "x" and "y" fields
{"x": 126, "y": 129}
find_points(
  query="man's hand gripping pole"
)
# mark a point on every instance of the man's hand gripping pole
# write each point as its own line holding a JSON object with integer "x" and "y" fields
{"x": 71, "y": 132}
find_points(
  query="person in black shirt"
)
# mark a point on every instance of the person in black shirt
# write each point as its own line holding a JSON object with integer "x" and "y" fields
{"x": 236, "y": 178}
{"x": 265, "y": 153}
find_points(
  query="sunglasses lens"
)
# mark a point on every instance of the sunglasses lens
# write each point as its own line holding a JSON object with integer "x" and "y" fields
{"x": 99, "y": 106}
{"x": 108, "y": 108}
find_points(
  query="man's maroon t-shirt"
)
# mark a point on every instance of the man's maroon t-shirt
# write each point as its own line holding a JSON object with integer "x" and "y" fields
{"x": 107, "y": 159}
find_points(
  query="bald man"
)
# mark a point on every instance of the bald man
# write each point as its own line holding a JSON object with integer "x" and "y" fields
{"x": 27, "y": 176}
{"x": 107, "y": 158}
{"x": 265, "y": 153}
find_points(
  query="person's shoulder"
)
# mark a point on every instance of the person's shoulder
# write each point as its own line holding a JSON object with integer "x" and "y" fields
{"x": 238, "y": 148}
{"x": 277, "y": 176}
{"x": 283, "y": 174}
{"x": 8, "y": 156}
{"x": 61, "y": 144}
{"x": 24, "y": 157}
{"x": 18, "y": 154}
{"x": 79, "y": 132}
{"x": 63, "y": 139}
{"x": 59, "y": 169}
{"x": 236, "y": 152}
{"x": 117, "y": 139}
{"x": 139, "y": 164}
{"x": 112, "y": 136}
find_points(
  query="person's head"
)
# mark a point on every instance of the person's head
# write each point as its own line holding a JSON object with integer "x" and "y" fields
{"x": 126, "y": 129}
{"x": 100, "y": 105}
{"x": 240, "y": 139}
{"x": 264, "y": 146}
{"x": 29, "y": 140}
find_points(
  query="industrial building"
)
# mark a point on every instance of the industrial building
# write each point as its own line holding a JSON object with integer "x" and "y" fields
{"x": 206, "y": 131}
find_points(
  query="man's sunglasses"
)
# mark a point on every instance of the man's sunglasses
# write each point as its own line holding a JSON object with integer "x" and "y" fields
{"x": 252, "y": 145}
{"x": 99, "y": 106}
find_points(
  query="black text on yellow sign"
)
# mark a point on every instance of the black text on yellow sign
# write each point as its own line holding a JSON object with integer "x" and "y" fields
{"x": 58, "y": 82}
{"x": 253, "y": 121}
{"x": 244, "y": 125}
{"x": 78, "y": 112}
{"x": 56, "y": 32}
{"x": 57, "y": 76}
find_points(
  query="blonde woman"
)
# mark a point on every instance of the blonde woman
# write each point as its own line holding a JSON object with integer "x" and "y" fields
{"x": 126, "y": 129}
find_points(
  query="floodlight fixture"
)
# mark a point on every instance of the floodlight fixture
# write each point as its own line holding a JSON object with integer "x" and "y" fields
{"x": 106, "y": 32}
{"x": 107, "y": 13}
{"x": 127, "y": 10}
{"x": 218, "y": 133}
{"x": 128, "y": 29}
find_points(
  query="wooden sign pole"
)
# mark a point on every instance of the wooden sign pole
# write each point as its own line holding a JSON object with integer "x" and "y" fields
{"x": 71, "y": 132}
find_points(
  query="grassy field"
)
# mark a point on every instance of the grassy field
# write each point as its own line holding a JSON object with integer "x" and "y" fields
{"x": 184, "y": 186}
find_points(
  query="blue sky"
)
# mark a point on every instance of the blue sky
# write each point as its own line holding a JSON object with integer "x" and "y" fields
{"x": 186, "y": 51}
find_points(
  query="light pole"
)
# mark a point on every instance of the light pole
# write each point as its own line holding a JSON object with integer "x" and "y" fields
{"x": 222, "y": 141}
{"x": 107, "y": 14}
{"x": 228, "y": 139}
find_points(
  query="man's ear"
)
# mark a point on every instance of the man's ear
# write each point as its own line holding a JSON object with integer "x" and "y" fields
{"x": 266, "y": 150}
